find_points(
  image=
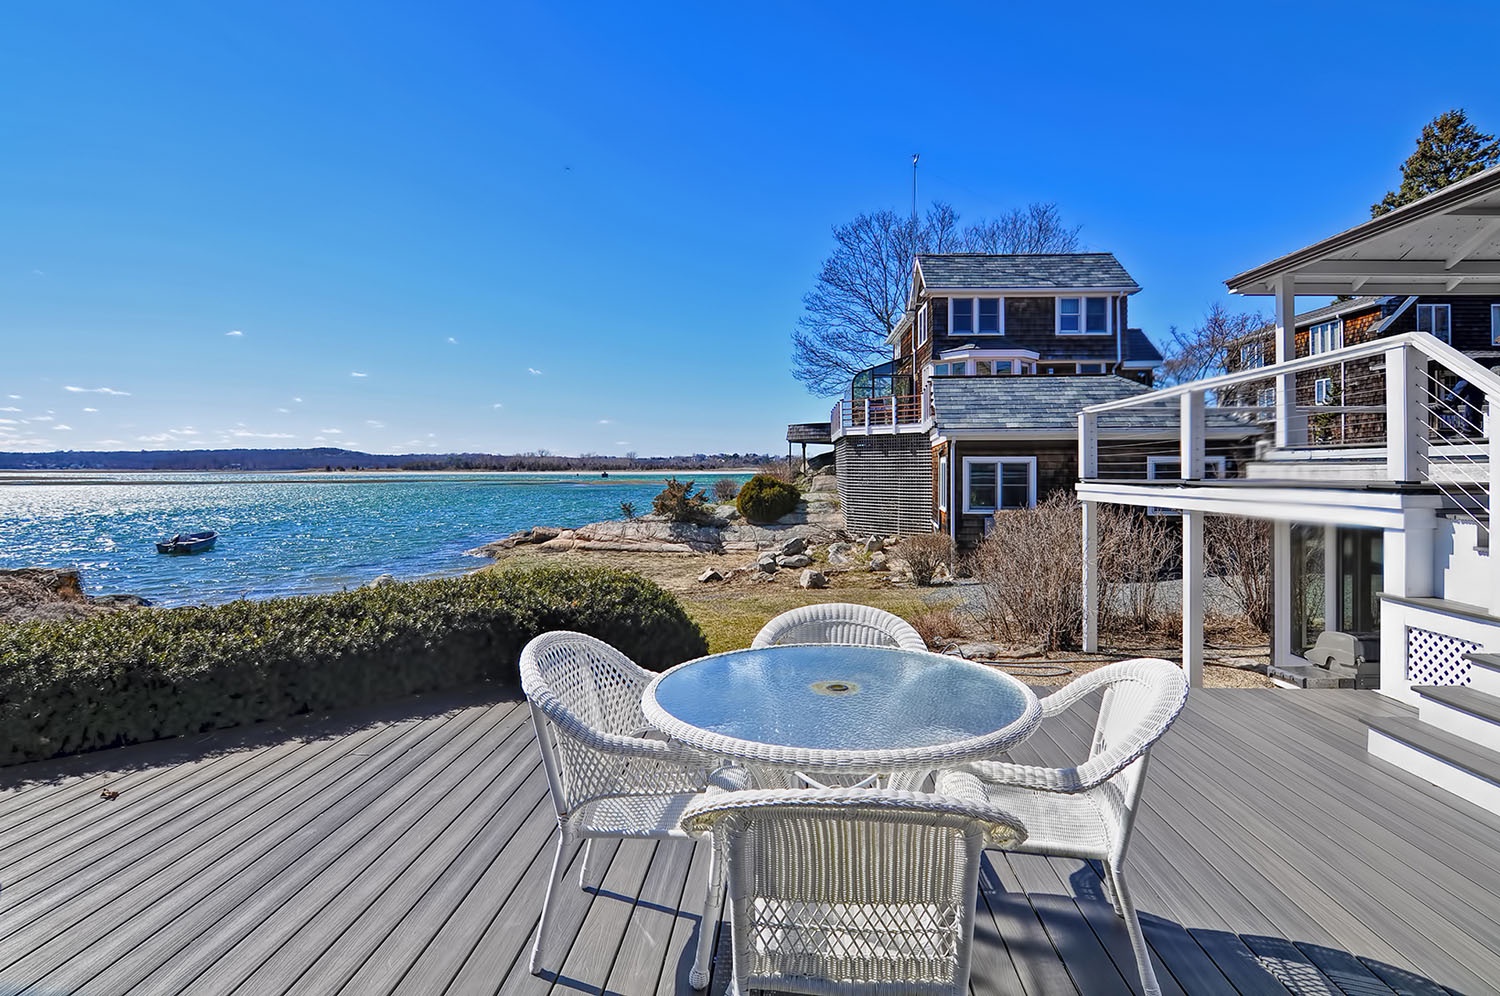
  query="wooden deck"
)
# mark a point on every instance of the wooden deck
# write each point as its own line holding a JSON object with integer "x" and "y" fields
{"x": 406, "y": 852}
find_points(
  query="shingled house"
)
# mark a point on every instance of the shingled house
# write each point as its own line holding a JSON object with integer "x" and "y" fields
{"x": 976, "y": 412}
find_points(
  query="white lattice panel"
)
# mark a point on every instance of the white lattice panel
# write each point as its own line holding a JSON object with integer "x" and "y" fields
{"x": 1436, "y": 658}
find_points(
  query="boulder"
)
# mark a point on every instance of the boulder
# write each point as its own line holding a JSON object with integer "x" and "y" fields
{"x": 840, "y": 555}
{"x": 879, "y": 562}
{"x": 813, "y": 579}
{"x": 792, "y": 563}
{"x": 794, "y": 546}
{"x": 382, "y": 581}
{"x": 119, "y": 601}
{"x": 874, "y": 544}
{"x": 710, "y": 575}
{"x": 766, "y": 563}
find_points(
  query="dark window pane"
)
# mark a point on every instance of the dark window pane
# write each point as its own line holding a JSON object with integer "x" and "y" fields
{"x": 963, "y": 314}
{"x": 982, "y": 486}
{"x": 989, "y": 314}
{"x": 1098, "y": 315}
{"x": 1015, "y": 485}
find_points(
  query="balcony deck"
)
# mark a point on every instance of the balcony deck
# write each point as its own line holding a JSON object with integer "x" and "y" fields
{"x": 406, "y": 851}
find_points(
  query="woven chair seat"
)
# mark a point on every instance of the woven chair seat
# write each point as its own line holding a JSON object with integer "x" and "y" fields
{"x": 1071, "y": 825}
{"x": 636, "y": 816}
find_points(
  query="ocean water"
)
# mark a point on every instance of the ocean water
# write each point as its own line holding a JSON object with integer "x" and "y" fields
{"x": 285, "y": 534}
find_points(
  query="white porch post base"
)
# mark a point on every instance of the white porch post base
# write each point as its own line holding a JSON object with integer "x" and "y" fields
{"x": 1090, "y": 577}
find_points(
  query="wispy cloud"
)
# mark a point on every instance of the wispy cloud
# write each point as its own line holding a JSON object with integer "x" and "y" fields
{"x": 38, "y": 418}
{"x": 533, "y": 371}
{"x": 374, "y": 423}
{"x": 332, "y": 432}
{"x": 606, "y": 421}
{"x": 247, "y": 434}
{"x": 62, "y": 428}
{"x": 234, "y": 332}
{"x": 14, "y": 397}
{"x": 8, "y": 421}
{"x": 95, "y": 390}
{"x": 109, "y": 442}
{"x": 452, "y": 341}
{"x": 356, "y": 373}
{"x": 10, "y": 408}
{"x": 91, "y": 409}
{"x": 284, "y": 411}
{"x": 297, "y": 400}
{"x": 171, "y": 435}
{"x": 622, "y": 442}
{"x": 495, "y": 405}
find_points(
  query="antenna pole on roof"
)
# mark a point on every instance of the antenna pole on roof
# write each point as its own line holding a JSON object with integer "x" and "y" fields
{"x": 914, "y": 157}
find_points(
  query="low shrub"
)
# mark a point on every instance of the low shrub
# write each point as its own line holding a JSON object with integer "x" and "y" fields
{"x": 726, "y": 489}
{"x": 103, "y": 681}
{"x": 940, "y": 625}
{"x": 678, "y": 503}
{"x": 1029, "y": 574}
{"x": 766, "y": 499}
{"x": 925, "y": 554}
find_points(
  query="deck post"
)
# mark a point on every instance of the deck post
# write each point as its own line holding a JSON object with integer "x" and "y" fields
{"x": 1090, "y": 577}
{"x": 1405, "y": 419}
{"x": 1192, "y": 597}
{"x": 1281, "y": 592}
{"x": 1291, "y": 428}
{"x": 1192, "y": 436}
{"x": 1088, "y": 446}
{"x": 1492, "y": 424}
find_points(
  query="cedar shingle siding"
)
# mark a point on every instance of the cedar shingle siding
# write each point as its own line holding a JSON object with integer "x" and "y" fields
{"x": 885, "y": 484}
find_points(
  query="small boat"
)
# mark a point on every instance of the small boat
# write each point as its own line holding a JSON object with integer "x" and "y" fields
{"x": 191, "y": 543}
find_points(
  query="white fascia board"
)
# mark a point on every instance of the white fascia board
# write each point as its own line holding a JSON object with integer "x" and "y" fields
{"x": 1026, "y": 291}
{"x": 1371, "y": 509}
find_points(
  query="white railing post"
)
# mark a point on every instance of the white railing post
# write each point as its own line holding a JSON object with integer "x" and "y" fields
{"x": 1493, "y": 427}
{"x": 867, "y": 416}
{"x": 1090, "y": 577}
{"x": 1291, "y": 426}
{"x": 1405, "y": 415}
{"x": 1192, "y": 597}
{"x": 1192, "y": 436}
{"x": 1281, "y": 593}
{"x": 1088, "y": 446}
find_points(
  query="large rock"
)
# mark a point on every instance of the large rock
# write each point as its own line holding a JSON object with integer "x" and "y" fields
{"x": 521, "y": 537}
{"x": 879, "y": 562}
{"x": 794, "y": 546}
{"x": 813, "y": 579}
{"x": 643, "y": 535}
{"x": 766, "y": 563}
{"x": 710, "y": 575}
{"x": 874, "y": 544}
{"x": 841, "y": 555}
{"x": 792, "y": 563}
{"x": 46, "y": 593}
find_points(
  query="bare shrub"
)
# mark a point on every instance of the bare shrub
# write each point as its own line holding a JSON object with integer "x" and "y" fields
{"x": 940, "y": 625}
{"x": 726, "y": 489}
{"x": 1238, "y": 549}
{"x": 925, "y": 554}
{"x": 1136, "y": 551}
{"x": 1029, "y": 571}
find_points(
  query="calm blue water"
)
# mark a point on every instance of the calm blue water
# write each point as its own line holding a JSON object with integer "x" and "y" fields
{"x": 284, "y": 534}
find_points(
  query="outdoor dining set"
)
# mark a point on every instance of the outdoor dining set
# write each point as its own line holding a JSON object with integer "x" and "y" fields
{"x": 848, "y": 781}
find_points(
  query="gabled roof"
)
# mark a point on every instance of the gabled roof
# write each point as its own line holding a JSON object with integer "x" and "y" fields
{"x": 1336, "y": 309}
{"x": 1022, "y": 404}
{"x": 1023, "y": 272}
{"x": 1139, "y": 349}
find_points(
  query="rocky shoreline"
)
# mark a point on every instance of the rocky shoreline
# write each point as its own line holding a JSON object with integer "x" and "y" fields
{"x": 43, "y": 593}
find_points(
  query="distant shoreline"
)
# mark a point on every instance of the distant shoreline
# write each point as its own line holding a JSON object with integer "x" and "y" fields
{"x": 82, "y": 476}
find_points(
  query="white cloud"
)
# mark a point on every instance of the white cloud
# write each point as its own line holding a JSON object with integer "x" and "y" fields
{"x": 332, "y": 432}
{"x": 432, "y": 435}
{"x": 8, "y": 421}
{"x": 38, "y": 418}
{"x": 14, "y": 397}
{"x": 109, "y": 442}
{"x": 95, "y": 390}
{"x": 495, "y": 405}
{"x": 10, "y": 408}
{"x": 356, "y": 373}
{"x": 622, "y": 442}
{"x": 234, "y": 332}
{"x": 606, "y": 421}
{"x": 62, "y": 428}
{"x": 452, "y": 341}
{"x": 297, "y": 400}
{"x": 284, "y": 411}
{"x": 91, "y": 409}
{"x": 160, "y": 437}
{"x": 247, "y": 434}
{"x": 533, "y": 371}
{"x": 38, "y": 273}
{"x": 374, "y": 423}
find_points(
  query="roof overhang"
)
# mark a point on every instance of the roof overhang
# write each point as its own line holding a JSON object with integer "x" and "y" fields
{"x": 995, "y": 290}
{"x": 1446, "y": 243}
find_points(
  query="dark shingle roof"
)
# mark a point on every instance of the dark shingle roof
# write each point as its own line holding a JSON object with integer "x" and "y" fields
{"x": 1139, "y": 348}
{"x": 1061, "y": 271}
{"x": 1044, "y": 405}
{"x": 1014, "y": 404}
{"x": 1336, "y": 308}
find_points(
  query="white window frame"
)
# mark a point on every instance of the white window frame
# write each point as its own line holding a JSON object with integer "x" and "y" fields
{"x": 1266, "y": 398}
{"x": 1092, "y": 368}
{"x": 922, "y": 325}
{"x": 1323, "y": 391}
{"x": 943, "y": 483}
{"x": 999, "y": 316}
{"x": 1431, "y": 310}
{"x": 1495, "y": 324}
{"x": 1325, "y": 337}
{"x": 1029, "y": 461}
{"x": 1215, "y": 468}
{"x": 973, "y": 316}
{"x": 1083, "y": 314}
{"x": 1252, "y": 355}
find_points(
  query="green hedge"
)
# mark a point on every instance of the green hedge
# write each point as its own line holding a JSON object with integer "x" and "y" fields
{"x": 104, "y": 681}
{"x": 765, "y": 498}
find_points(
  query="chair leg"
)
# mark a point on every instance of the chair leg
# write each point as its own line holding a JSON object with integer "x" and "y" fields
{"x": 588, "y": 874}
{"x": 1149, "y": 985}
{"x": 698, "y": 978}
{"x": 1109, "y": 888}
{"x": 544, "y": 928}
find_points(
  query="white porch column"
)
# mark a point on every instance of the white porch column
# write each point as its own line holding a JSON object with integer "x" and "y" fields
{"x": 1191, "y": 444}
{"x": 1090, "y": 577}
{"x": 1192, "y": 597}
{"x": 1088, "y": 446}
{"x": 1493, "y": 424}
{"x": 1406, "y": 422}
{"x": 1281, "y": 592}
{"x": 1407, "y": 572}
{"x": 1291, "y": 428}
{"x": 1331, "y": 600}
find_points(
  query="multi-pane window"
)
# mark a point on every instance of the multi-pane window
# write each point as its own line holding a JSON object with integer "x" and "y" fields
{"x": 1266, "y": 398}
{"x": 989, "y": 316}
{"x": 1083, "y": 316}
{"x": 922, "y": 326}
{"x": 1433, "y": 319}
{"x": 961, "y": 315}
{"x": 1252, "y": 354}
{"x": 991, "y": 484}
{"x": 1325, "y": 337}
{"x": 1323, "y": 391}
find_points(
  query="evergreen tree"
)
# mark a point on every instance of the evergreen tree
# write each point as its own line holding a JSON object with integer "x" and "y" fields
{"x": 1449, "y": 149}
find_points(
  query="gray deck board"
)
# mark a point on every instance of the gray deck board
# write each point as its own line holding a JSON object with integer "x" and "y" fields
{"x": 406, "y": 850}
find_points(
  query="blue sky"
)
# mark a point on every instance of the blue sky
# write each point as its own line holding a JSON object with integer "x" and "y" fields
{"x": 588, "y": 228}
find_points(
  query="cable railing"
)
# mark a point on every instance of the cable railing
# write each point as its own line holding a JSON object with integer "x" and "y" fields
{"x": 887, "y": 414}
{"x": 1407, "y": 409}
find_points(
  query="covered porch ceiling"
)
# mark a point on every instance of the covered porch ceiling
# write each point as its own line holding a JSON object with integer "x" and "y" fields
{"x": 1446, "y": 243}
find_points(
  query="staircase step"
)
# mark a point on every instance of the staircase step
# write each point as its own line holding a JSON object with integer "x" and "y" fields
{"x": 1484, "y": 673}
{"x": 1462, "y": 711}
{"x": 1448, "y": 761}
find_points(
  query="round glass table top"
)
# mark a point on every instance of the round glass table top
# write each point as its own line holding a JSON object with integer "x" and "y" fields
{"x": 829, "y": 697}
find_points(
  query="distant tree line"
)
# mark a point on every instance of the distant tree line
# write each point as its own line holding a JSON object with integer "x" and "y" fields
{"x": 331, "y": 459}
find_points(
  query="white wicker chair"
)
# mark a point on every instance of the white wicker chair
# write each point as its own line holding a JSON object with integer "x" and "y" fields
{"x": 1087, "y": 811}
{"x": 853, "y": 891}
{"x": 607, "y": 775}
{"x": 839, "y": 622}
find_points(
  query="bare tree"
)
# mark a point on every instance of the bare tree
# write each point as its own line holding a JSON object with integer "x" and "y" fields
{"x": 1037, "y": 228}
{"x": 861, "y": 292}
{"x": 1204, "y": 350}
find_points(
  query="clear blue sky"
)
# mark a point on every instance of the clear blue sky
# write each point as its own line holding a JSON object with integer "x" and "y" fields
{"x": 505, "y": 227}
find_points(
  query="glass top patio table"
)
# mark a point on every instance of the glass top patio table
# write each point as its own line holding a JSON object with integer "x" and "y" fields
{"x": 835, "y": 707}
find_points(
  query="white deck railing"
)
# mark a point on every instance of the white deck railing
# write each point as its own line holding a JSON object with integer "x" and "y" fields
{"x": 883, "y": 415}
